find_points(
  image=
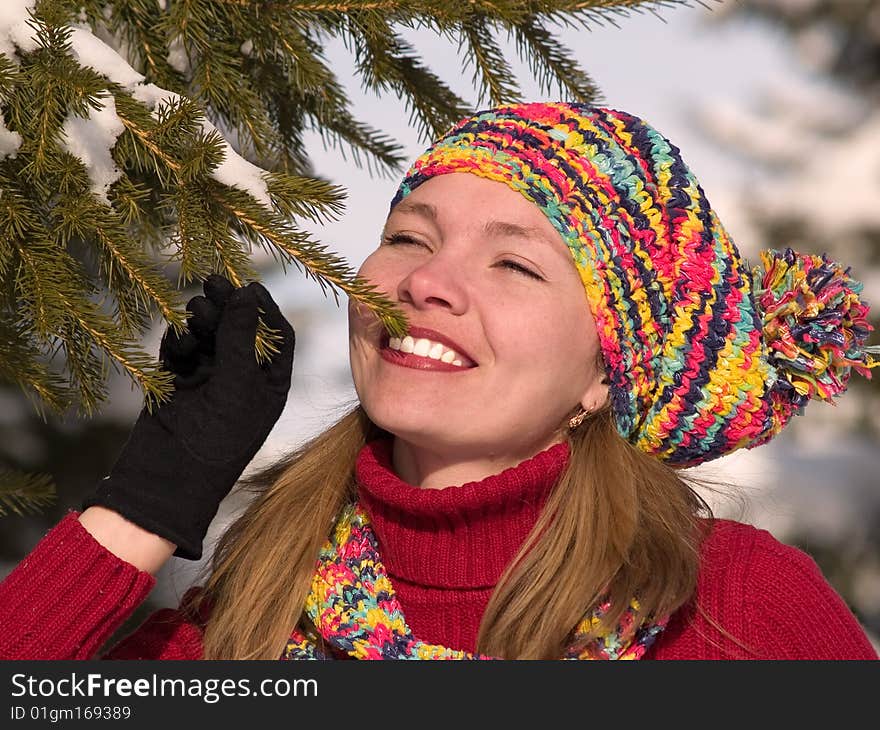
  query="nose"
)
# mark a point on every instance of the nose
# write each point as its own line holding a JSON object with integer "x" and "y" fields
{"x": 436, "y": 282}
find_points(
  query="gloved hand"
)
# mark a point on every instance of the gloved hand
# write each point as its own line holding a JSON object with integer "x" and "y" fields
{"x": 181, "y": 461}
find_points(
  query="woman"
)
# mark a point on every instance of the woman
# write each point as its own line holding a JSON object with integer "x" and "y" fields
{"x": 510, "y": 484}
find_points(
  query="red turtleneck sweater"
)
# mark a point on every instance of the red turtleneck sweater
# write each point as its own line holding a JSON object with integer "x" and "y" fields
{"x": 444, "y": 550}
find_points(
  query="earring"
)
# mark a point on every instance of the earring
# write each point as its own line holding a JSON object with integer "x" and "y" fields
{"x": 577, "y": 420}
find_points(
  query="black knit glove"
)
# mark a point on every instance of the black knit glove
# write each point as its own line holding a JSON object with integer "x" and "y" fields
{"x": 181, "y": 461}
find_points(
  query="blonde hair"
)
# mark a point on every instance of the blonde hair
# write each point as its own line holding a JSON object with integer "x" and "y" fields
{"x": 618, "y": 524}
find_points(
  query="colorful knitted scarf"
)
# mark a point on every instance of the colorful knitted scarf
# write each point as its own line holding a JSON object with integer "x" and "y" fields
{"x": 353, "y": 608}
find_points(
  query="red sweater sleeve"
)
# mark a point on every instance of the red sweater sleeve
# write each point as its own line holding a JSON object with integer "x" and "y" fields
{"x": 68, "y": 596}
{"x": 758, "y": 598}
{"x": 166, "y": 634}
{"x": 794, "y": 611}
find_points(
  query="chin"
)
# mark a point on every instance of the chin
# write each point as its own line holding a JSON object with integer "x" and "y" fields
{"x": 414, "y": 429}
{"x": 449, "y": 439}
{"x": 411, "y": 426}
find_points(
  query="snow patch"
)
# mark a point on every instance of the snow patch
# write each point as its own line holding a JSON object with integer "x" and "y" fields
{"x": 9, "y": 141}
{"x": 90, "y": 50}
{"x": 239, "y": 173}
{"x": 152, "y": 96}
{"x": 91, "y": 139}
{"x": 178, "y": 58}
{"x": 14, "y": 28}
{"x": 234, "y": 170}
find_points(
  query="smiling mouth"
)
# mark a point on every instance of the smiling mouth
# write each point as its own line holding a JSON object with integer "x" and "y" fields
{"x": 445, "y": 360}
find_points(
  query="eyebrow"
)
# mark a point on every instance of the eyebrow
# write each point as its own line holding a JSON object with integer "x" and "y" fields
{"x": 495, "y": 228}
{"x": 426, "y": 210}
{"x": 505, "y": 228}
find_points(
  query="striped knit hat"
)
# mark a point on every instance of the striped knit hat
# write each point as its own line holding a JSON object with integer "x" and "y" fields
{"x": 704, "y": 355}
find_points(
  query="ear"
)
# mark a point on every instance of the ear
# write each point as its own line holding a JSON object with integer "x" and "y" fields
{"x": 597, "y": 393}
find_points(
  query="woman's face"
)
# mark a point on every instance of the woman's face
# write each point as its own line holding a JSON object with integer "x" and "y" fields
{"x": 484, "y": 270}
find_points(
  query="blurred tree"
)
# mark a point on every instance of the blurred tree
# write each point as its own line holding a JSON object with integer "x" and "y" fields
{"x": 840, "y": 38}
{"x": 817, "y": 143}
{"x": 815, "y": 148}
{"x": 142, "y": 136}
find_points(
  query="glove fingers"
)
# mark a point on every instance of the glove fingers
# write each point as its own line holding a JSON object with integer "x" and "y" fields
{"x": 194, "y": 378}
{"x": 204, "y": 316}
{"x": 218, "y": 289}
{"x": 202, "y": 322}
{"x": 281, "y": 363}
{"x": 236, "y": 333}
{"x": 179, "y": 353}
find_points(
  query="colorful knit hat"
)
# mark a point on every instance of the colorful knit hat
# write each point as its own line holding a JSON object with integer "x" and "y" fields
{"x": 704, "y": 355}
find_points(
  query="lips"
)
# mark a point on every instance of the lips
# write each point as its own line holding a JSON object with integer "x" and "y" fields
{"x": 417, "y": 362}
{"x": 429, "y": 334}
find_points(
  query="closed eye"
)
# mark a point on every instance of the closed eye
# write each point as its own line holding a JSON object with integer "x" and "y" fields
{"x": 394, "y": 238}
{"x": 520, "y": 268}
{"x": 403, "y": 238}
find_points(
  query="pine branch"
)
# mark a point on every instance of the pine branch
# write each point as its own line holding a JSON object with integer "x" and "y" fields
{"x": 551, "y": 63}
{"x": 204, "y": 240}
{"x": 336, "y": 125}
{"x": 300, "y": 55}
{"x": 340, "y": 8}
{"x": 43, "y": 270}
{"x": 290, "y": 156}
{"x": 156, "y": 383}
{"x": 219, "y": 80}
{"x": 52, "y": 295}
{"x": 126, "y": 269}
{"x": 296, "y": 196}
{"x": 492, "y": 74}
{"x": 333, "y": 275}
{"x": 56, "y": 303}
{"x": 145, "y": 31}
{"x": 10, "y": 77}
{"x": 20, "y": 363}
{"x": 22, "y": 493}
{"x": 597, "y": 12}
{"x": 387, "y": 63}
{"x": 320, "y": 105}
{"x": 141, "y": 288}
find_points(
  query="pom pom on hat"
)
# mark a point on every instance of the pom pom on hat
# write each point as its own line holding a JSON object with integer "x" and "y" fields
{"x": 814, "y": 325}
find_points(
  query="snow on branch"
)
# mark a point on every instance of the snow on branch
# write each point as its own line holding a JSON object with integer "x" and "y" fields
{"x": 91, "y": 139}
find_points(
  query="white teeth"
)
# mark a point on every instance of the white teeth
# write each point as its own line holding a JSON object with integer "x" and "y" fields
{"x": 422, "y": 347}
{"x": 425, "y": 348}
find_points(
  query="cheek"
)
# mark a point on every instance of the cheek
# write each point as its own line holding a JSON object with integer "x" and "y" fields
{"x": 382, "y": 271}
{"x": 524, "y": 340}
{"x": 376, "y": 272}
{"x": 546, "y": 341}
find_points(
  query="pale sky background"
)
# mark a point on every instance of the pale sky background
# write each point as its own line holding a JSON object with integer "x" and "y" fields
{"x": 664, "y": 72}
